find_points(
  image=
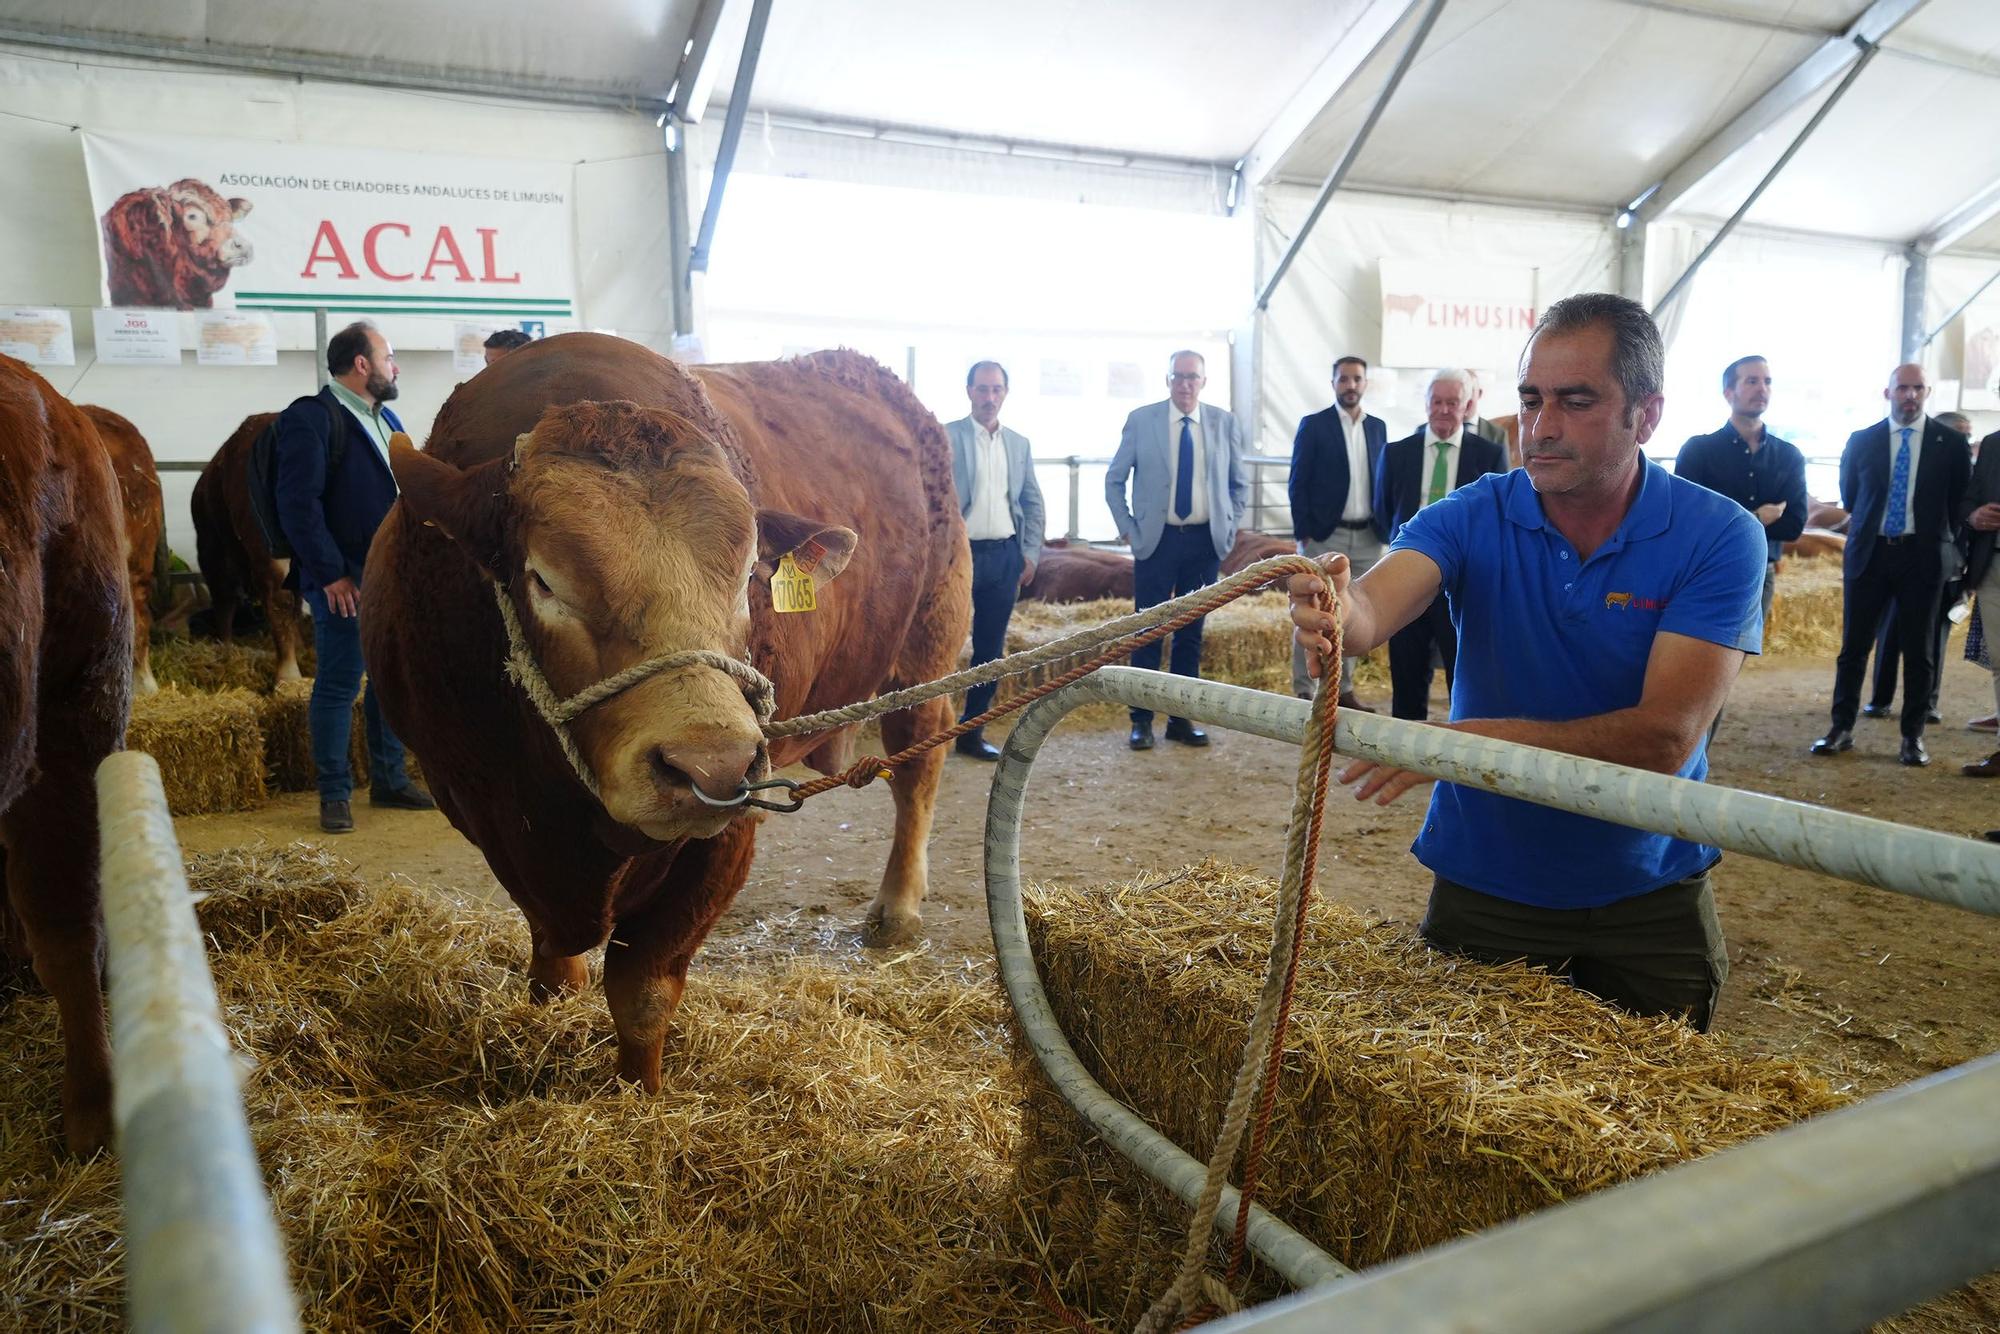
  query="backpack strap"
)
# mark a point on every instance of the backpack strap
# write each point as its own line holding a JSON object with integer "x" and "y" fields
{"x": 336, "y": 445}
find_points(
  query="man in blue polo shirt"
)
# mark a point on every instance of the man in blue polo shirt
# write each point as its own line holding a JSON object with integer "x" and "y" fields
{"x": 1603, "y": 608}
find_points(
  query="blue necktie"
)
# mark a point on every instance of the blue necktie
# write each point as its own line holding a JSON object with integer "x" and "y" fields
{"x": 1897, "y": 519}
{"x": 1184, "y": 474}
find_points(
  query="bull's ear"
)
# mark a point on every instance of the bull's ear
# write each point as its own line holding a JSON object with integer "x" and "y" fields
{"x": 238, "y": 207}
{"x": 816, "y": 548}
{"x": 468, "y": 505}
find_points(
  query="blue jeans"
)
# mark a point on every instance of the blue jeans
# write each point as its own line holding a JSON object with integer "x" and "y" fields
{"x": 337, "y": 642}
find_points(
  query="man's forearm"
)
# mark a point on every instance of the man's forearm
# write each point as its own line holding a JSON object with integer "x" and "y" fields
{"x": 1637, "y": 736}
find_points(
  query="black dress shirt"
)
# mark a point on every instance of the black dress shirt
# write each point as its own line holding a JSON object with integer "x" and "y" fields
{"x": 1724, "y": 463}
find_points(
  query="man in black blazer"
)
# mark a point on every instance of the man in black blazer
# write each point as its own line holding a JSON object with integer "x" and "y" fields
{"x": 1882, "y": 697}
{"x": 1903, "y": 480}
{"x": 1416, "y": 471}
{"x": 1336, "y": 457}
{"x": 329, "y": 509}
{"x": 1982, "y": 571}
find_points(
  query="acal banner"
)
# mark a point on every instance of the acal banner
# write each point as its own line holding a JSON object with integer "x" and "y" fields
{"x": 194, "y": 224}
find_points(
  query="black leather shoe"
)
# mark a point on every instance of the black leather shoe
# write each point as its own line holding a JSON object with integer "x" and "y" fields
{"x": 1933, "y": 716}
{"x": 1185, "y": 732}
{"x": 408, "y": 797}
{"x": 1834, "y": 742}
{"x": 1914, "y": 753}
{"x": 336, "y": 817}
{"x": 974, "y": 746}
{"x": 1875, "y": 710}
{"x": 1142, "y": 736}
{"x": 1993, "y": 836}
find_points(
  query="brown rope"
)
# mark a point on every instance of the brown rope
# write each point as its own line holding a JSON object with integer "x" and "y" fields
{"x": 870, "y": 767}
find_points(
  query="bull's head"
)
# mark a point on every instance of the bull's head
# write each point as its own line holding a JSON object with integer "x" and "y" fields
{"x": 207, "y": 220}
{"x": 621, "y": 535}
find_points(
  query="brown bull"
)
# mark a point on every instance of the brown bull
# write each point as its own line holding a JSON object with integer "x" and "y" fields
{"x": 1252, "y": 547}
{"x": 65, "y": 694}
{"x": 145, "y": 527}
{"x": 628, "y": 508}
{"x": 172, "y": 246}
{"x": 231, "y": 550}
{"x": 1079, "y": 574}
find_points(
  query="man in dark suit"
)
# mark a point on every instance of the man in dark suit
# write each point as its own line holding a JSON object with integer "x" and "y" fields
{"x": 1982, "y": 571}
{"x": 329, "y": 510}
{"x": 1188, "y": 488}
{"x": 1335, "y": 458}
{"x": 1903, "y": 480}
{"x": 1416, "y": 471}
{"x": 1882, "y": 697}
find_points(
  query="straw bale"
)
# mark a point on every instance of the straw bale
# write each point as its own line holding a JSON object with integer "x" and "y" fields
{"x": 1806, "y": 608}
{"x": 830, "y": 1150}
{"x": 1423, "y": 1097}
{"x": 209, "y": 747}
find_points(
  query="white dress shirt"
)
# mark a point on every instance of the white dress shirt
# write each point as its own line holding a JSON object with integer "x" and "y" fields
{"x": 1916, "y": 456}
{"x": 1198, "y": 502}
{"x": 1360, "y": 507}
{"x": 1452, "y": 442}
{"x": 989, "y": 519}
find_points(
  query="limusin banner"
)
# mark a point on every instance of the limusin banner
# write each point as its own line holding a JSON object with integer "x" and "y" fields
{"x": 192, "y": 224}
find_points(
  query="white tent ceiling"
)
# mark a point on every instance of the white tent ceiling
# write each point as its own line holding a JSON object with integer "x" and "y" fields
{"x": 1575, "y": 103}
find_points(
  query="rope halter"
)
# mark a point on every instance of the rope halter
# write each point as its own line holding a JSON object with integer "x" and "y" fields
{"x": 558, "y": 713}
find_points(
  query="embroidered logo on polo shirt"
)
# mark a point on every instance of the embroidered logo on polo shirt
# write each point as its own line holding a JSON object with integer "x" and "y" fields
{"x": 1627, "y": 602}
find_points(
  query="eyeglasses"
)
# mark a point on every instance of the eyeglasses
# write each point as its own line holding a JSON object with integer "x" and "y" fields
{"x": 1187, "y": 377}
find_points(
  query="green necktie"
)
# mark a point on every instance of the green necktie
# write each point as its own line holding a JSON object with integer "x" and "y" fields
{"x": 1440, "y": 479}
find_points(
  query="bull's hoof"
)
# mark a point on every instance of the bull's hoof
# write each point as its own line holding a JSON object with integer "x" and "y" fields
{"x": 86, "y": 1130}
{"x": 289, "y": 671}
{"x": 143, "y": 683}
{"x": 885, "y": 929}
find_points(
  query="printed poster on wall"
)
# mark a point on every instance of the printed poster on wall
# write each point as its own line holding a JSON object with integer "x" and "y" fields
{"x": 194, "y": 224}
{"x": 236, "y": 338}
{"x": 1446, "y": 314}
{"x": 137, "y": 337}
{"x": 38, "y": 335}
{"x": 1979, "y": 366}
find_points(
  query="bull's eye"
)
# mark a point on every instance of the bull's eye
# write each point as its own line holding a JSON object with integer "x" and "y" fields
{"x": 541, "y": 585}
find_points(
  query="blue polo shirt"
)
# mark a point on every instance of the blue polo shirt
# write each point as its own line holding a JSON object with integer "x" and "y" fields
{"x": 1542, "y": 635}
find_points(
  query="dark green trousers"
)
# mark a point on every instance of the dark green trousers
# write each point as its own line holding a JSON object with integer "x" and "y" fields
{"x": 1653, "y": 954}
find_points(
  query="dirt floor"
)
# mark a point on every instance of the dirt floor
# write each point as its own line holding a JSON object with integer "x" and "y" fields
{"x": 1871, "y": 988}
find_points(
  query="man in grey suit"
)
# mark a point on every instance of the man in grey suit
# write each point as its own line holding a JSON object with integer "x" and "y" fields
{"x": 995, "y": 475}
{"x": 1188, "y": 491}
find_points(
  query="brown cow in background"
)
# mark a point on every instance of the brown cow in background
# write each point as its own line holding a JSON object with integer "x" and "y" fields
{"x": 1079, "y": 574}
{"x": 172, "y": 247}
{"x": 231, "y": 551}
{"x": 628, "y": 507}
{"x": 145, "y": 528}
{"x": 65, "y": 695}
{"x": 1252, "y": 547}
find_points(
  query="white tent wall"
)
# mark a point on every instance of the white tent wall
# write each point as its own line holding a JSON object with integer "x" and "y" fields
{"x": 1330, "y": 302}
{"x": 51, "y": 253}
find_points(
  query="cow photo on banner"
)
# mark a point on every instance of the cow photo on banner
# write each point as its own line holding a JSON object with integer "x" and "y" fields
{"x": 196, "y": 224}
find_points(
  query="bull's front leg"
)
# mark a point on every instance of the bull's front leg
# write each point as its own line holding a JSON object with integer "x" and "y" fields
{"x": 281, "y": 609}
{"x": 647, "y": 957}
{"x": 896, "y": 917}
{"x": 552, "y": 975}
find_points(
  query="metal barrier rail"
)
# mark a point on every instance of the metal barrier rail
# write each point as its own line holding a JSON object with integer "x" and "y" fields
{"x": 202, "y": 1250}
{"x": 1831, "y": 1224}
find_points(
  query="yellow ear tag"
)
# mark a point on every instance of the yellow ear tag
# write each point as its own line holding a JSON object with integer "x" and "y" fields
{"x": 791, "y": 588}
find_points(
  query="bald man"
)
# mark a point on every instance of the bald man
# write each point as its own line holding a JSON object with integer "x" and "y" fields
{"x": 1903, "y": 480}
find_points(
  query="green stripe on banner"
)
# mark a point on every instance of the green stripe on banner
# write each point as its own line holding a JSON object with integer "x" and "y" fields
{"x": 399, "y": 310}
{"x": 309, "y": 299}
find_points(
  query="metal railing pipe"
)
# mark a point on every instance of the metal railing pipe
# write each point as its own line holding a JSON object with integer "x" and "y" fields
{"x": 1946, "y": 868}
{"x": 1828, "y": 1225}
{"x": 1153, "y": 1153}
{"x": 202, "y": 1250}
